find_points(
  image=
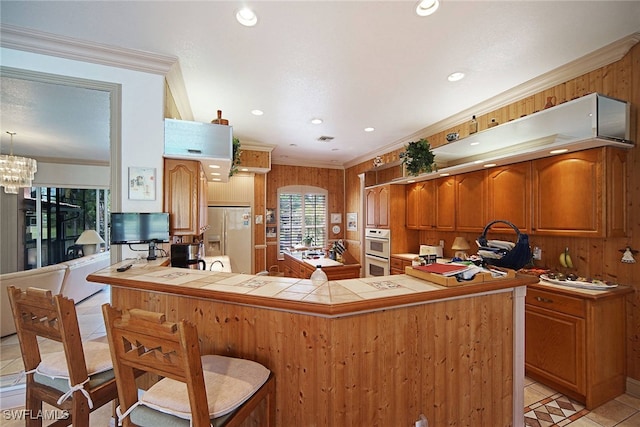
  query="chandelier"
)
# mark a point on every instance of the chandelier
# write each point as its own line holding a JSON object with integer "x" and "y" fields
{"x": 16, "y": 171}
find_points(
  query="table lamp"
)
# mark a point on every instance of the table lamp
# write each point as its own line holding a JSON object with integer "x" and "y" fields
{"x": 89, "y": 239}
{"x": 460, "y": 245}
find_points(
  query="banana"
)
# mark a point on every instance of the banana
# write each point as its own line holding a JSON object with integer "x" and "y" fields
{"x": 565, "y": 259}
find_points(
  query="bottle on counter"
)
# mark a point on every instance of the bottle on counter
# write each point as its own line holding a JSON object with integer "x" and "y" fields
{"x": 319, "y": 277}
{"x": 473, "y": 125}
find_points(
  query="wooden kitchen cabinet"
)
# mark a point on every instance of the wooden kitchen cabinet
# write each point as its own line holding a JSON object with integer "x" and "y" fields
{"x": 420, "y": 205}
{"x": 385, "y": 206}
{"x": 575, "y": 342}
{"x": 398, "y": 264}
{"x": 185, "y": 197}
{"x": 509, "y": 196}
{"x": 471, "y": 201}
{"x": 569, "y": 194}
{"x": 445, "y": 203}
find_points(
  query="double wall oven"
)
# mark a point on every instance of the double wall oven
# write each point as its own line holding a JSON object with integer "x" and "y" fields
{"x": 377, "y": 252}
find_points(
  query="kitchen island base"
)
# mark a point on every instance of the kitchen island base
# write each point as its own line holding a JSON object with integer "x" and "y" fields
{"x": 459, "y": 360}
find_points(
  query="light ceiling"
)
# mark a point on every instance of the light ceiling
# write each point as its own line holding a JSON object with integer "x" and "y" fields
{"x": 354, "y": 64}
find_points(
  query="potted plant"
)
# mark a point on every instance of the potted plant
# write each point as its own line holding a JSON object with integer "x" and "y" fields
{"x": 235, "y": 161}
{"x": 307, "y": 240}
{"x": 418, "y": 157}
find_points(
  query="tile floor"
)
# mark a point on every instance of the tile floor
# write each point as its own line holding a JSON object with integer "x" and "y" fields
{"x": 544, "y": 407}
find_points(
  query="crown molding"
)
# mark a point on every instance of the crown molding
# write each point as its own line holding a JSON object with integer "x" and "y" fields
{"x": 597, "y": 59}
{"x": 13, "y": 37}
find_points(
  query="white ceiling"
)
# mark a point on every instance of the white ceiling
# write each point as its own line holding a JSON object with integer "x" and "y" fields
{"x": 352, "y": 63}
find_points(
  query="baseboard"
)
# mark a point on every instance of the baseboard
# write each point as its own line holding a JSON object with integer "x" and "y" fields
{"x": 633, "y": 387}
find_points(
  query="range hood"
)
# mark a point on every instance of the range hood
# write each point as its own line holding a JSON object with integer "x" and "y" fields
{"x": 210, "y": 144}
{"x": 590, "y": 121}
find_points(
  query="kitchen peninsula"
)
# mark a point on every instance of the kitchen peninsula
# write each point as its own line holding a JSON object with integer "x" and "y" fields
{"x": 367, "y": 351}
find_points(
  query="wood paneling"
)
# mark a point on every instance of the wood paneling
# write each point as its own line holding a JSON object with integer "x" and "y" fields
{"x": 255, "y": 159}
{"x": 330, "y": 179}
{"x": 450, "y": 360}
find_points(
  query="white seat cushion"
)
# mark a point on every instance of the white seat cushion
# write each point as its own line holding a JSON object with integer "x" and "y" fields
{"x": 96, "y": 354}
{"x": 229, "y": 383}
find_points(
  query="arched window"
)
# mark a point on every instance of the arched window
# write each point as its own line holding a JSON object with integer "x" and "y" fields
{"x": 302, "y": 214}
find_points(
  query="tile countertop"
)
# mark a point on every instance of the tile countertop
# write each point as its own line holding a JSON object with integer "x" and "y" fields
{"x": 293, "y": 294}
{"x": 585, "y": 293}
{"x": 409, "y": 257}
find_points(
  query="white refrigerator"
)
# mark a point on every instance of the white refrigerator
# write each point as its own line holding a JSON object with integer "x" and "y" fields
{"x": 230, "y": 233}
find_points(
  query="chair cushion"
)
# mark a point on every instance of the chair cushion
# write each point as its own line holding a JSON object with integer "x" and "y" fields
{"x": 96, "y": 354}
{"x": 229, "y": 382}
{"x": 62, "y": 384}
{"x": 143, "y": 416}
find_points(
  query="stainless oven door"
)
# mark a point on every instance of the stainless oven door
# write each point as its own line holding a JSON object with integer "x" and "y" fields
{"x": 376, "y": 266}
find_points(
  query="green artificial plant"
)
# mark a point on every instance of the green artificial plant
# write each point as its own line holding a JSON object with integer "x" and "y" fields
{"x": 235, "y": 161}
{"x": 418, "y": 157}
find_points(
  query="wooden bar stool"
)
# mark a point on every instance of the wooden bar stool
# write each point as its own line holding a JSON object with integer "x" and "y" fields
{"x": 195, "y": 390}
{"x": 78, "y": 379}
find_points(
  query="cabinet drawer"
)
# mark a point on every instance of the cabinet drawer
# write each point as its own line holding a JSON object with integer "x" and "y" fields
{"x": 398, "y": 263}
{"x": 553, "y": 301}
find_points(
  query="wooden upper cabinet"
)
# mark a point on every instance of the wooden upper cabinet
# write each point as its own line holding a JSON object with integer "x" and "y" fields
{"x": 378, "y": 206}
{"x": 445, "y": 203}
{"x": 509, "y": 196}
{"x": 616, "y": 189}
{"x": 568, "y": 194}
{"x": 185, "y": 197}
{"x": 420, "y": 206}
{"x": 471, "y": 201}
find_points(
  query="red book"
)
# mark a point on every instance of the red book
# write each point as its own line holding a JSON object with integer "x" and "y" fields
{"x": 444, "y": 269}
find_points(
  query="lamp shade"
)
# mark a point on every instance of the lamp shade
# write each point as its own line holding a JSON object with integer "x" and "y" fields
{"x": 460, "y": 244}
{"x": 89, "y": 237}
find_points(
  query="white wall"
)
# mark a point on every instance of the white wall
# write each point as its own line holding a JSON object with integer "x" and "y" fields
{"x": 142, "y": 109}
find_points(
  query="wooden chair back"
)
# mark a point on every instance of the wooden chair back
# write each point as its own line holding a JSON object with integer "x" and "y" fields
{"x": 142, "y": 340}
{"x": 145, "y": 341}
{"x": 36, "y": 314}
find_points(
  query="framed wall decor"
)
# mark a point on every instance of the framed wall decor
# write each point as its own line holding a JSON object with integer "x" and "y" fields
{"x": 271, "y": 215}
{"x": 352, "y": 221}
{"x": 142, "y": 183}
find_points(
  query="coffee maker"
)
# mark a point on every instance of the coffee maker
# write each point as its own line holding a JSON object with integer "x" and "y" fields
{"x": 186, "y": 255}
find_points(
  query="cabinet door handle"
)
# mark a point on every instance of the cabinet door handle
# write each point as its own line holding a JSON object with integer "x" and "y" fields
{"x": 547, "y": 300}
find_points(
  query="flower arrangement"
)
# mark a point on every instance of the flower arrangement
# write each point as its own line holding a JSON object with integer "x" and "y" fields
{"x": 418, "y": 157}
{"x": 235, "y": 161}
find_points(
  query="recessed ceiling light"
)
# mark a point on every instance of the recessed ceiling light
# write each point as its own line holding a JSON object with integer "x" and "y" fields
{"x": 427, "y": 7}
{"x": 454, "y": 77}
{"x": 246, "y": 17}
{"x": 316, "y": 121}
{"x": 257, "y": 112}
{"x": 369, "y": 129}
{"x": 214, "y": 166}
{"x": 558, "y": 151}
